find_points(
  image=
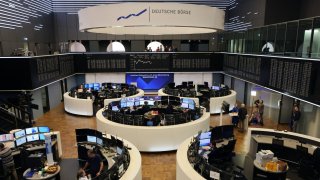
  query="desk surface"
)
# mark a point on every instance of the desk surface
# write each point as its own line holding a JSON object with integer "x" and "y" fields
{"x": 257, "y": 165}
{"x": 36, "y": 176}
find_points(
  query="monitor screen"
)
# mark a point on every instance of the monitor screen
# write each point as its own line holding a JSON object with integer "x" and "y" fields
{"x": 217, "y": 133}
{"x": 6, "y": 137}
{"x": 227, "y": 131}
{"x": 33, "y": 137}
{"x": 21, "y": 141}
{"x": 32, "y": 130}
{"x": 119, "y": 150}
{"x": 44, "y": 129}
{"x": 96, "y": 85}
{"x": 185, "y": 100}
{"x": 185, "y": 105}
{"x": 96, "y": 88}
{"x": 115, "y": 108}
{"x": 90, "y": 85}
{"x": 215, "y": 87}
{"x": 205, "y": 135}
{"x": 137, "y": 103}
{"x": 191, "y": 106}
{"x": 130, "y": 103}
{"x": 204, "y": 142}
{"x": 99, "y": 141}
{"x": 123, "y": 104}
{"x": 19, "y": 134}
{"x": 150, "y": 103}
{"x": 41, "y": 137}
{"x": 92, "y": 139}
{"x": 86, "y": 86}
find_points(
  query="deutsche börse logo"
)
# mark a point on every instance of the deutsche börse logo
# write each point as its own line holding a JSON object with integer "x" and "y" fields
{"x": 128, "y": 16}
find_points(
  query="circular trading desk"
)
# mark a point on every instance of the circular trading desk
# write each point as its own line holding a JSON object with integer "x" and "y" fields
{"x": 196, "y": 100}
{"x": 37, "y": 176}
{"x": 216, "y": 102}
{"x": 134, "y": 170}
{"x": 184, "y": 170}
{"x": 157, "y": 138}
{"x": 78, "y": 106}
{"x": 107, "y": 101}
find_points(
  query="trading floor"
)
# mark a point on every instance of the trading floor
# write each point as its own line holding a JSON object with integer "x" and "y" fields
{"x": 160, "y": 165}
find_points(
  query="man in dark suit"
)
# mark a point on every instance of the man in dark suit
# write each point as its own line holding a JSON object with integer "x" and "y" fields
{"x": 242, "y": 116}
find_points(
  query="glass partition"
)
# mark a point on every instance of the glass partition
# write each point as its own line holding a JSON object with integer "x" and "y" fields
{"x": 256, "y": 40}
{"x": 315, "y": 53}
{"x": 304, "y": 38}
{"x": 249, "y": 41}
{"x": 263, "y": 38}
{"x": 280, "y": 39}
{"x": 291, "y": 38}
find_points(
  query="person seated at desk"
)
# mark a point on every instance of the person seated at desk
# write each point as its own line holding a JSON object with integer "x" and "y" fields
{"x": 8, "y": 163}
{"x": 94, "y": 163}
{"x": 169, "y": 109}
{"x": 145, "y": 108}
{"x": 134, "y": 110}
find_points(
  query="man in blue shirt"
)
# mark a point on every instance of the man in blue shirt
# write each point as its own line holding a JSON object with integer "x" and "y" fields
{"x": 94, "y": 163}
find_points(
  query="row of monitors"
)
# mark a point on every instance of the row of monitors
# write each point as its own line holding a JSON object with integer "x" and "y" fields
{"x": 29, "y": 138}
{"x": 216, "y": 133}
{"x": 90, "y": 139}
{"x": 137, "y": 101}
{"x": 95, "y": 86}
{"x": 24, "y": 132}
{"x": 32, "y": 130}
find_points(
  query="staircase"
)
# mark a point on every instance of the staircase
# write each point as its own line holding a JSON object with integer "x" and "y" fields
{"x": 13, "y": 117}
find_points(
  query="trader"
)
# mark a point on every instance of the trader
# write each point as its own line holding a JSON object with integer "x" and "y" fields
{"x": 95, "y": 164}
{"x": 8, "y": 163}
{"x": 242, "y": 116}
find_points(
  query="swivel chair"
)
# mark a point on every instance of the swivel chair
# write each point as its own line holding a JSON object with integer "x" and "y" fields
{"x": 138, "y": 120}
{"x": 128, "y": 119}
{"x": 169, "y": 119}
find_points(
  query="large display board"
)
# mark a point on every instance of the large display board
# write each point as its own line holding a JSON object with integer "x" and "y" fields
{"x": 150, "y": 81}
{"x": 28, "y": 73}
{"x": 297, "y": 77}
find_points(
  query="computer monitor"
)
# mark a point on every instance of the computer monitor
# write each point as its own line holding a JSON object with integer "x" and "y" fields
{"x": 32, "y": 130}
{"x": 20, "y": 141}
{"x": 119, "y": 150}
{"x": 44, "y": 129}
{"x": 130, "y": 103}
{"x": 185, "y": 105}
{"x": 227, "y": 131}
{"x": 33, "y": 137}
{"x": 302, "y": 149}
{"x": 115, "y": 108}
{"x": 217, "y": 133}
{"x": 191, "y": 106}
{"x": 92, "y": 139}
{"x": 96, "y": 85}
{"x": 123, "y": 104}
{"x": 90, "y": 85}
{"x": 99, "y": 141}
{"x": 96, "y": 88}
{"x": 150, "y": 102}
{"x": 215, "y": 88}
{"x": 86, "y": 86}
{"x": 81, "y": 132}
{"x": 114, "y": 86}
{"x": 6, "y": 137}
{"x": 137, "y": 103}
{"x": 19, "y": 134}
{"x": 204, "y": 142}
{"x": 41, "y": 137}
{"x": 205, "y": 135}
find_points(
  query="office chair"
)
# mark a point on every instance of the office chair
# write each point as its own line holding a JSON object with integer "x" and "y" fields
{"x": 119, "y": 118}
{"x": 128, "y": 119}
{"x": 229, "y": 149}
{"x": 169, "y": 119}
{"x": 138, "y": 120}
{"x": 175, "y": 92}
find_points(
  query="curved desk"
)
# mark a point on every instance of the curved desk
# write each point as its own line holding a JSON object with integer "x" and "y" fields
{"x": 134, "y": 170}
{"x": 196, "y": 100}
{"x": 107, "y": 101}
{"x": 216, "y": 102}
{"x": 77, "y": 106}
{"x": 157, "y": 138}
{"x": 36, "y": 176}
{"x": 184, "y": 170}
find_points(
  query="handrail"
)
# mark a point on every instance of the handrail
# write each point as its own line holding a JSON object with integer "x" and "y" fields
{"x": 19, "y": 113}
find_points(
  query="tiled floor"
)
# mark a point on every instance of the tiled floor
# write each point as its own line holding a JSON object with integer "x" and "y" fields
{"x": 154, "y": 165}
